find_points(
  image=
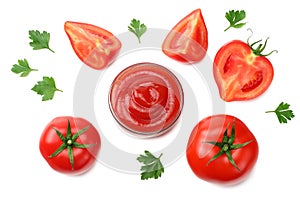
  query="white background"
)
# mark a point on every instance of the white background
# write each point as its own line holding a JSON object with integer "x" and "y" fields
{"x": 24, "y": 173}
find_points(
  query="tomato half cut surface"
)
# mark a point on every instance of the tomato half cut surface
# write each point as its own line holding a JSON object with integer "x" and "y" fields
{"x": 188, "y": 40}
{"x": 94, "y": 46}
{"x": 239, "y": 73}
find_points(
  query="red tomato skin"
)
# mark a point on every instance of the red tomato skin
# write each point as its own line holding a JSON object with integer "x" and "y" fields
{"x": 235, "y": 65}
{"x": 84, "y": 158}
{"x": 221, "y": 171}
{"x": 192, "y": 32}
{"x": 90, "y": 42}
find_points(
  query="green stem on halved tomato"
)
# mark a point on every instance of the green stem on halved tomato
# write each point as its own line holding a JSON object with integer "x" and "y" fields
{"x": 260, "y": 48}
{"x": 69, "y": 142}
{"x": 226, "y": 146}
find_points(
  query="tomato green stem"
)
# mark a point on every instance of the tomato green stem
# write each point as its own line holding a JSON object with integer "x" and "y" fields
{"x": 226, "y": 146}
{"x": 260, "y": 48}
{"x": 69, "y": 142}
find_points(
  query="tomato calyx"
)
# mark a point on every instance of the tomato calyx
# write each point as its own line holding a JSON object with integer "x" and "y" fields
{"x": 226, "y": 146}
{"x": 69, "y": 142}
{"x": 260, "y": 48}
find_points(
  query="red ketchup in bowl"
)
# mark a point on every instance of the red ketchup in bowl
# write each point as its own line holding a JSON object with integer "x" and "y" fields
{"x": 146, "y": 99}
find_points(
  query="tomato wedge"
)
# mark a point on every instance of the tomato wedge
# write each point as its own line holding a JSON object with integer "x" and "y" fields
{"x": 94, "y": 46}
{"x": 242, "y": 72}
{"x": 188, "y": 41}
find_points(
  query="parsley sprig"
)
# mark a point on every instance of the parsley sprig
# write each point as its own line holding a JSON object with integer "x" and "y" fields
{"x": 39, "y": 40}
{"x": 234, "y": 17}
{"x": 137, "y": 28}
{"x": 153, "y": 168}
{"x": 22, "y": 68}
{"x": 283, "y": 112}
{"x": 46, "y": 88}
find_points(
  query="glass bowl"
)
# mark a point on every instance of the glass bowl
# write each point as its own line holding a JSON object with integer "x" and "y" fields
{"x": 146, "y": 99}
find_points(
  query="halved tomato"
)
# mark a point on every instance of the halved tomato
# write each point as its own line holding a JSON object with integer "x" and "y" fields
{"x": 94, "y": 46}
{"x": 242, "y": 72}
{"x": 187, "y": 41}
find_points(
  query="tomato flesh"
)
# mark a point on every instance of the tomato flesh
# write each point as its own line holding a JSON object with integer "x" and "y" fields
{"x": 240, "y": 74}
{"x": 199, "y": 152}
{"x": 188, "y": 40}
{"x": 94, "y": 46}
{"x": 254, "y": 83}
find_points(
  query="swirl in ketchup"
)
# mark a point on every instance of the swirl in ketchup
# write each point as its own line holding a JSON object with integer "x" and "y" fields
{"x": 146, "y": 99}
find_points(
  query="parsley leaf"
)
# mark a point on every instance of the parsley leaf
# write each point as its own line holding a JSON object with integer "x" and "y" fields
{"x": 283, "y": 113}
{"x": 152, "y": 168}
{"x": 137, "y": 28}
{"x": 22, "y": 68}
{"x": 46, "y": 88}
{"x": 234, "y": 17}
{"x": 39, "y": 40}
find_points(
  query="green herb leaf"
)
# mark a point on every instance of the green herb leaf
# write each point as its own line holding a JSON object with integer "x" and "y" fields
{"x": 46, "y": 88}
{"x": 283, "y": 112}
{"x": 234, "y": 17}
{"x": 137, "y": 28}
{"x": 39, "y": 40}
{"x": 22, "y": 68}
{"x": 152, "y": 168}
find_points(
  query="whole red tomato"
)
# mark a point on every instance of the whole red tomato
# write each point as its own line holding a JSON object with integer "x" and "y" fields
{"x": 70, "y": 145}
{"x": 94, "y": 46}
{"x": 188, "y": 40}
{"x": 221, "y": 149}
{"x": 241, "y": 71}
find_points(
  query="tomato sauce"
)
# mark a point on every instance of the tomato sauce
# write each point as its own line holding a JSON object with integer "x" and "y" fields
{"x": 146, "y": 99}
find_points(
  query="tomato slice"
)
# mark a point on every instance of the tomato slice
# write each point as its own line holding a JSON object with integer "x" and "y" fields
{"x": 187, "y": 41}
{"x": 239, "y": 73}
{"x": 94, "y": 46}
